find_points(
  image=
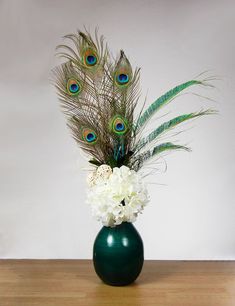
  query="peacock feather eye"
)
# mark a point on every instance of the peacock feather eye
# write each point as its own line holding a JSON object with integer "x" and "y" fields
{"x": 73, "y": 87}
{"x": 119, "y": 125}
{"x": 122, "y": 78}
{"x": 90, "y": 58}
{"x": 89, "y": 136}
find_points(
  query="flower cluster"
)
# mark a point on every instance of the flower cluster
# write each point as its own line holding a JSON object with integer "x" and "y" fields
{"x": 116, "y": 195}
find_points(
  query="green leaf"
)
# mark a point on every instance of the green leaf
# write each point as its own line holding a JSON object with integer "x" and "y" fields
{"x": 163, "y": 100}
{"x": 166, "y": 126}
{"x": 94, "y": 162}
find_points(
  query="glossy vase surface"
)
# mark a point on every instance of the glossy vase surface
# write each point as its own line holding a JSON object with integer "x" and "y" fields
{"x": 118, "y": 254}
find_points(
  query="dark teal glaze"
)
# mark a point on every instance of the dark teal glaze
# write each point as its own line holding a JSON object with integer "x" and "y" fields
{"x": 118, "y": 254}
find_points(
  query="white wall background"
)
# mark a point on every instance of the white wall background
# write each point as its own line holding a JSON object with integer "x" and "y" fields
{"x": 42, "y": 185}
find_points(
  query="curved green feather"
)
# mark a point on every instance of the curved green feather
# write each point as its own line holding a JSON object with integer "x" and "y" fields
{"x": 166, "y": 126}
{"x": 140, "y": 159}
{"x": 166, "y": 147}
{"x": 155, "y": 106}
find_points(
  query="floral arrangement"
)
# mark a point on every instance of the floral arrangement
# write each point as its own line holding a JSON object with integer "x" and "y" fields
{"x": 99, "y": 97}
{"x": 117, "y": 195}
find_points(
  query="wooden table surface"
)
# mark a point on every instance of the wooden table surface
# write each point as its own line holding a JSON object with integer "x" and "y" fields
{"x": 74, "y": 283}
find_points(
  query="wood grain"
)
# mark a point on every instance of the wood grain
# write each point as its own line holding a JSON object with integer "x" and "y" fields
{"x": 74, "y": 283}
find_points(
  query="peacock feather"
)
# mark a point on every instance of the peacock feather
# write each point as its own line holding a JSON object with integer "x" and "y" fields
{"x": 99, "y": 97}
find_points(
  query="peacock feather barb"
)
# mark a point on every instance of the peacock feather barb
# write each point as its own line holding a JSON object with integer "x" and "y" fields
{"x": 99, "y": 97}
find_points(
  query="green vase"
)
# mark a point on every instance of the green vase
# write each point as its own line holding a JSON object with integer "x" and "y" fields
{"x": 118, "y": 254}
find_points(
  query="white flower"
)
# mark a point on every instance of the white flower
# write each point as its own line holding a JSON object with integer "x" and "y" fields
{"x": 117, "y": 197}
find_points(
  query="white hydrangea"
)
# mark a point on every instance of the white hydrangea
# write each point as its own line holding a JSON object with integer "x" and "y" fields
{"x": 117, "y": 197}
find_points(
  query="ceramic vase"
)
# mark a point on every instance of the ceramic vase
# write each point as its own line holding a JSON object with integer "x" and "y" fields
{"x": 118, "y": 254}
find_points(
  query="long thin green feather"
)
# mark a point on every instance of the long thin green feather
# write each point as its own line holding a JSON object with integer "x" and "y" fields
{"x": 164, "y": 99}
{"x": 140, "y": 159}
{"x": 166, "y": 126}
{"x": 166, "y": 147}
